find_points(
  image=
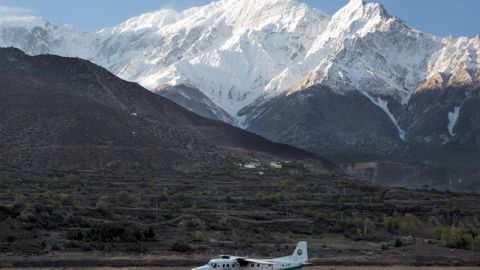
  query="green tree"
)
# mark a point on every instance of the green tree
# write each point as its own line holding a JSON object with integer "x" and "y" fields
{"x": 411, "y": 224}
{"x": 455, "y": 238}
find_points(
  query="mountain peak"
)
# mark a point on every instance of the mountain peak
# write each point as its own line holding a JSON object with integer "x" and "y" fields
{"x": 355, "y": 3}
{"x": 359, "y": 17}
{"x": 27, "y": 22}
{"x": 239, "y": 13}
{"x": 257, "y": 13}
{"x": 359, "y": 7}
{"x": 258, "y": 3}
{"x": 155, "y": 19}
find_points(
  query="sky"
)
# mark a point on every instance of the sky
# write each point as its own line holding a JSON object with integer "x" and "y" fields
{"x": 439, "y": 17}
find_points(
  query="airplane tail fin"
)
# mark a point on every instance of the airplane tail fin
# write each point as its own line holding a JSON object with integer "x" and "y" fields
{"x": 301, "y": 253}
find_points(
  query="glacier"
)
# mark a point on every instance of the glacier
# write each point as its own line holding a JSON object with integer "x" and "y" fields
{"x": 452, "y": 120}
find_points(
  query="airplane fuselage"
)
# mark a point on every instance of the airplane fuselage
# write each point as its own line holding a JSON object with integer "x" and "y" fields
{"x": 297, "y": 260}
{"x": 228, "y": 264}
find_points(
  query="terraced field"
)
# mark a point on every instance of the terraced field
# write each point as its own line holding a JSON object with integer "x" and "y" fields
{"x": 209, "y": 214}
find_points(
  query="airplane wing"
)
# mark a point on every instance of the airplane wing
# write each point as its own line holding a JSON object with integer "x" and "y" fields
{"x": 245, "y": 261}
{"x": 228, "y": 257}
{"x": 264, "y": 262}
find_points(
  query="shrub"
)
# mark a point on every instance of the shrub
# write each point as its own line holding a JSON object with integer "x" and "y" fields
{"x": 198, "y": 236}
{"x": 342, "y": 200}
{"x": 368, "y": 226}
{"x": 272, "y": 198}
{"x": 112, "y": 232}
{"x": 25, "y": 245}
{"x": 63, "y": 198}
{"x": 20, "y": 200}
{"x": 404, "y": 241}
{"x": 264, "y": 253}
{"x": 437, "y": 232}
{"x": 124, "y": 198}
{"x": 229, "y": 199}
{"x": 106, "y": 232}
{"x": 260, "y": 195}
{"x": 141, "y": 196}
{"x": 320, "y": 216}
{"x": 275, "y": 198}
{"x": 287, "y": 185}
{"x": 136, "y": 234}
{"x": 398, "y": 243}
{"x": 181, "y": 247}
{"x": 166, "y": 193}
{"x": 456, "y": 238}
{"x": 149, "y": 234}
{"x": 317, "y": 216}
{"x": 194, "y": 205}
{"x": 75, "y": 235}
{"x": 391, "y": 224}
{"x": 181, "y": 196}
{"x": 468, "y": 241}
{"x": 448, "y": 203}
{"x": 411, "y": 224}
{"x": 476, "y": 243}
{"x": 71, "y": 178}
{"x": 103, "y": 204}
{"x": 47, "y": 195}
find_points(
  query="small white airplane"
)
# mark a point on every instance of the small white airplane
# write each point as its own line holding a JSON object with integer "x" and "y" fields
{"x": 297, "y": 260}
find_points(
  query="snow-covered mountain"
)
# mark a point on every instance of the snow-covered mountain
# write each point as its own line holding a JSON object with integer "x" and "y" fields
{"x": 237, "y": 61}
{"x": 37, "y": 36}
{"x": 229, "y": 50}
